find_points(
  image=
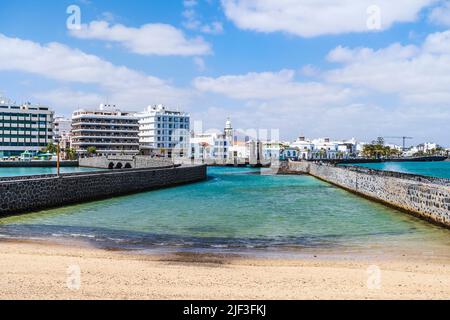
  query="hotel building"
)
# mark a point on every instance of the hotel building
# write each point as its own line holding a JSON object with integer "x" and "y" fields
{"x": 163, "y": 131}
{"x": 109, "y": 130}
{"x": 24, "y": 128}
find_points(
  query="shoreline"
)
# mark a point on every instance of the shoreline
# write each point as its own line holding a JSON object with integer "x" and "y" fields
{"x": 40, "y": 270}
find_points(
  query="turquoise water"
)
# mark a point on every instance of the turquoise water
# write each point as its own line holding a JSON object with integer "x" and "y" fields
{"x": 12, "y": 172}
{"x": 439, "y": 169}
{"x": 234, "y": 209}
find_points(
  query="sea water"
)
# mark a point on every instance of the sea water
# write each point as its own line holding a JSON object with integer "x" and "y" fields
{"x": 440, "y": 169}
{"x": 236, "y": 209}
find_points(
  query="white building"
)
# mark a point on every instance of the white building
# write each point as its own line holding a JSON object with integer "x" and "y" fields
{"x": 325, "y": 148}
{"x": 62, "y": 127}
{"x": 212, "y": 145}
{"x": 305, "y": 147}
{"x": 24, "y": 128}
{"x": 239, "y": 152}
{"x": 272, "y": 150}
{"x": 161, "y": 131}
{"x": 427, "y": 147}
{"x": 109, "y": 130}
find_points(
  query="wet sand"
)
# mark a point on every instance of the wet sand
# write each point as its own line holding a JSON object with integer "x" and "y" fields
{"x": 40, "y": 270}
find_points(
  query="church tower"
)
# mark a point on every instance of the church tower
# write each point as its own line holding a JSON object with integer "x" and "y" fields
{"x": 228, "y": 131}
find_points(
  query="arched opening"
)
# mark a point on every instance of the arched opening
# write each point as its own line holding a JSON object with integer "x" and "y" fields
{"x": 111, "y": 166}
{"x": 127, "y": 166}
{"x": 119, "y": 166}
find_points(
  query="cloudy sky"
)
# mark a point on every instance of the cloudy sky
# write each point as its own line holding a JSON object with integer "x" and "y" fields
{"x": 338, "y": 68}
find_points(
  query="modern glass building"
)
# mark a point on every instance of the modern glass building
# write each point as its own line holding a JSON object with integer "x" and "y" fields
{"x": 24, "y": 128}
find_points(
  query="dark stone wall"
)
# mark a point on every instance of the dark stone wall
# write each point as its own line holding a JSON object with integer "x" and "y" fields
{"x": 41, "y": 192}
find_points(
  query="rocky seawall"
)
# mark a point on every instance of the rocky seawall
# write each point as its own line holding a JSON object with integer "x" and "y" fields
{"x": 25, "y": 194}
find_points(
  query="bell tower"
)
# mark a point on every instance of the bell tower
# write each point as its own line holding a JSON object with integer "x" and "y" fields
{"x": 228, "y": 130}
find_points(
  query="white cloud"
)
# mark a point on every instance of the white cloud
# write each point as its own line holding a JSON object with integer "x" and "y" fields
{"x": 438, "y": 43}
{"x": 193, "y": 21}
{"x": 149, "y": 39}
{"x": 123, "y": 86}
{"x": 200, "y": 63}
{"x": 310, "y": 18}
{"x": 414, "y": 74}
{"x": 68, "y": 100}
{"x": 213, "y": 28}
{"x": 440, "y": 15}
{"x": 309, "y": 71}
{"x": 396, "y": 90}
{"x": 269, "y": 85}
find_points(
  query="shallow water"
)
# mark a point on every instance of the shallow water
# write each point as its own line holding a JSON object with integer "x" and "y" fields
{"x": 235, "y": 210}
{"x": 440, "y": 169}
{"x": 23, "y": 171}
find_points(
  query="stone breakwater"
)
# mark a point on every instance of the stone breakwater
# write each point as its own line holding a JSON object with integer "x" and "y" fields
{"x": 127, "y": 162}
{"x": 25, "y": 194}
{"x": 425, "y": 197}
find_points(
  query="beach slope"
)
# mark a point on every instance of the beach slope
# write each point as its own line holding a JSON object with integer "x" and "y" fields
{"x": 50, "y": 271}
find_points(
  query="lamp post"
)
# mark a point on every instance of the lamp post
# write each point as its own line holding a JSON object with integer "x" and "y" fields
{"x": 58, "y": 155}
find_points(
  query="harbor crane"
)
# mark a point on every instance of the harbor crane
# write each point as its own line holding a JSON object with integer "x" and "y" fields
{"x": 404, "y": 138}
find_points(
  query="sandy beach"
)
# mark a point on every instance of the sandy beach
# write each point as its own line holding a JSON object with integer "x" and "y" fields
{"x": 30, "y": 270}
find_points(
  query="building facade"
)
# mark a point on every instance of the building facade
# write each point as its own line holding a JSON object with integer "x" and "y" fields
{"x": 109, "y": 130}
{"x": 163, "y": 132}
{"x": 214, "y": 146}
{"x": 62, "y": 127}
{"x": 325, "y": 149}
{"x": 24, "y": 128}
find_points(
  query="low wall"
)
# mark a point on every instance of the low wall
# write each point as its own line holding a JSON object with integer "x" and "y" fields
{"x": 37, "y": 163}
{"x": 25, "y": 194}
{"x": 425, "y": 197}
{"x": 119, "y": 162}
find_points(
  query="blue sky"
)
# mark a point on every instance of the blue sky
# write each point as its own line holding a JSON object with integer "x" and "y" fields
{"x": 303, "y": 67}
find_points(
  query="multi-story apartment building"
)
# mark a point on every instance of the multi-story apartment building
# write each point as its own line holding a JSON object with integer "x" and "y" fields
{"x": 62, "y": 127}
{"x": 163, "y": 131}
{"x": 24, "y": 128}
{"x": 109, "y": 130}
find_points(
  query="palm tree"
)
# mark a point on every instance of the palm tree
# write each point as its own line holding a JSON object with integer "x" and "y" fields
{"x": 91, "y": 151}
{"x": 71, "y": 154}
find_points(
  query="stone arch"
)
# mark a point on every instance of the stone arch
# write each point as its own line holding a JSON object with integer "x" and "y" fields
{"x": 111, "y": 165}
{"x": 127, "y": 166}
{"x": 119, "y": 165}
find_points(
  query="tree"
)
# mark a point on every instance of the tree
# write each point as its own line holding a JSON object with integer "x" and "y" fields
{"x": 71, "y": 154}
{"x": 378, "y": 150}
{"x": 51, "y": 148}
{"x": 91, "y": 151}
